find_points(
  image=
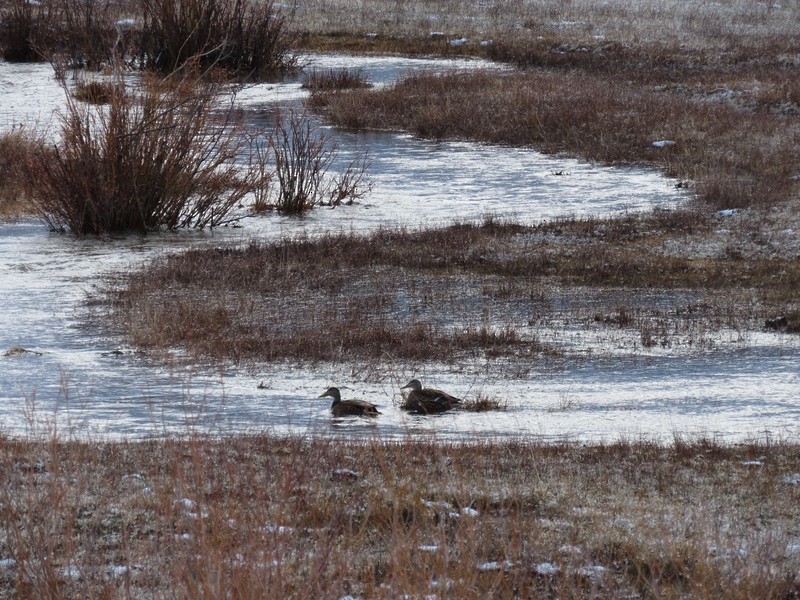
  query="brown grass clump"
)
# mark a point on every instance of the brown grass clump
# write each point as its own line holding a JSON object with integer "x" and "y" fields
{"x": 93, "y": 92}
{"x": 607, "y": 115}
{"x": 318, "y": 80}
{"x": 17, "y": 148}
{"x": 277, "y": 517}
{"x": 482, "y": 403}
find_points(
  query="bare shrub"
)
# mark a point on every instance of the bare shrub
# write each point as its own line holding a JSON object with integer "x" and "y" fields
{"x": 157, "y": 157}
{"x": 83, "y": 32}
{"x": 261, "y": 167}
{"x": 303, "y": 156}
{"x": 21, "y": 24}
{"x": 245, "y": 37}
{"x": 78, "y": 32}
{"x": 351, "y": 184}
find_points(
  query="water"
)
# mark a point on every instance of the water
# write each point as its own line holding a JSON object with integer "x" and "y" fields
{"x": 83, "y": 382}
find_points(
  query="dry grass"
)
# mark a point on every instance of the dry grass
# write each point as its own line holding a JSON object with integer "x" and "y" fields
{"x": 17, "y": 149}
{"x": 318, "y": 80}
{"x": 483, "y": 403}
{"x": 258, "y": 517}
{"x": 449, "y": 294}
{"x": 731, "y": 25}
{"x": 93, "y": 91}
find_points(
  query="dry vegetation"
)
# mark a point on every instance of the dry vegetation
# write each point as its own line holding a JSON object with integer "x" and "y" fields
{"x": 726, "y": 25}
{"x": 16, "y": 150}
{"x": 256, "y": 517}
{"x": 463, "y": 291}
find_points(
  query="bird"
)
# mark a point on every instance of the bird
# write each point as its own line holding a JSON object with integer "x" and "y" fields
{"x": 427, "y": 400}
{"x": 344, "y": 408}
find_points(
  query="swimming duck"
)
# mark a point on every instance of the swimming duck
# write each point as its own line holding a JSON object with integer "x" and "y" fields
{"x": 343, "y": 408}
{"x": 427, "y": 400}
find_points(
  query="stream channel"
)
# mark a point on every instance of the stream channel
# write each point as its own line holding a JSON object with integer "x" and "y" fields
{"x": 80, "y": 382}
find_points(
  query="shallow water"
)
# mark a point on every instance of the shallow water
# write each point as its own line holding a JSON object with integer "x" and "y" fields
{"x": 89, "y": 384}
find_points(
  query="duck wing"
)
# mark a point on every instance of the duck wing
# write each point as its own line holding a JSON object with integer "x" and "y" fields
{"x": 355, "y": 407}
{"x": 432, "y": 401}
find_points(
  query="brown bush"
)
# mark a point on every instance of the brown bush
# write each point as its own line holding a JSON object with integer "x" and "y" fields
{"x": 159, "y": 158}
{"x": 243, "y": 37}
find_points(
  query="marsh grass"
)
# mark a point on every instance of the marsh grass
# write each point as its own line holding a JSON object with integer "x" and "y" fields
{"x": 457, "y": 293}
{"x": 334, "y": 79}
{"x": 731, "y": 27}
{"x": 483, "y": 403}
{"x": 270, "y": 517}
{"x": 93, "y": 91}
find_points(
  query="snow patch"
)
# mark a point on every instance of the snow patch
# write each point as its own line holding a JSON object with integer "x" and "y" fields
{"x": 495, "y": 566}
{"x": 546, "y": 568}
{"x": 591, "y": 571}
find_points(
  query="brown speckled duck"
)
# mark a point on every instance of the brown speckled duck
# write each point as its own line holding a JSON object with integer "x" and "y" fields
{"x": 345, "y": 408}
{"x": 426, "y": 400}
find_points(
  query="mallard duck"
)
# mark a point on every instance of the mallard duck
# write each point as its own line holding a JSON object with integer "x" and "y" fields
{"x": 344, "y": 408}
{"x": 427, "y": 400}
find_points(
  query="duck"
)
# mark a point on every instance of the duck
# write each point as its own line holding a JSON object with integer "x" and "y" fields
{"x": 426, "y": 400}
{"x": 345, "y": 408}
